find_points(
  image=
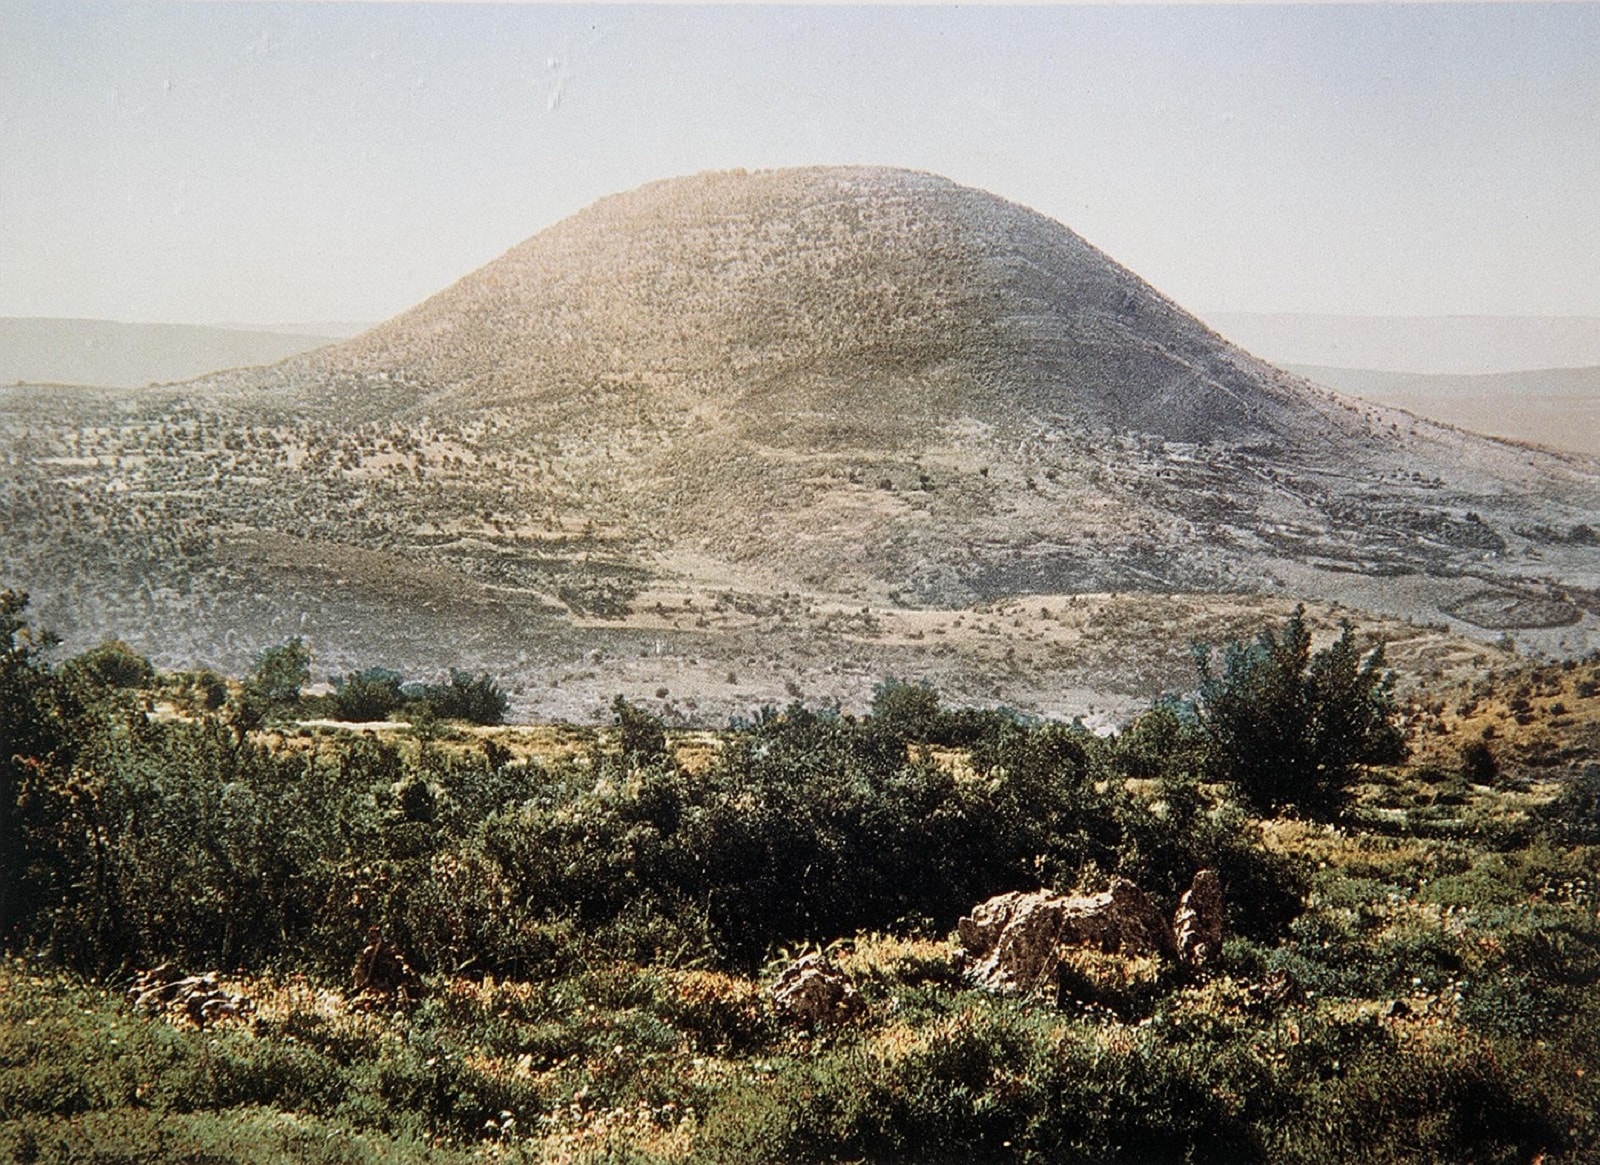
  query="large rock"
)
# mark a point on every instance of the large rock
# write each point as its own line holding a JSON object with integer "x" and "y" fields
{"x": 1197, "y": 926}
{"x": 815, "y": 992}
{"x": 1013, "y": 941}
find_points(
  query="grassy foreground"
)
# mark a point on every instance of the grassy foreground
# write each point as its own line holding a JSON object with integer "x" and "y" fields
{"x": 598, "y": 919}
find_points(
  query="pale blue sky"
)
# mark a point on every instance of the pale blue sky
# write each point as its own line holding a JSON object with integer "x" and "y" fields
{"x": 276, "y": 163}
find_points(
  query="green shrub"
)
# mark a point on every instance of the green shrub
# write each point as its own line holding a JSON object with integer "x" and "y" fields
{"x": 476, "y": 699}
{"x": 907, "y": 712}
{"x": 641, "y": 738}
{"x": 371, "y": 694}
{"x": 1479, "y": 765}
{"x": 111, "y": 665}
{"x": 986, "y": 1083}
{"x": 1293, "y": 727}
{"x": 1573, "y": 818}
{"x": 1164, "y": 742}
{"x": 910, "y": 713}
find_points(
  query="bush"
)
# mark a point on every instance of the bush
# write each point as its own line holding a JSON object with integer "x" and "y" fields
{"x": 907, "y": 712}
{"x": 476, "y": 699}
{"x": 280, "y": 672}
{"x": 1573, "y": 818}
{"x": 207, "y": 691}
{"x": 111, "y": 665}
{"x": 986, "y": 1083}
{"x": 810, "y": 826}
{"x": 371, "y": 694}
{"x": 1293, "y": 728}
{"x": 911, "y": 714}
{"x": 641, "y": 738}
{"x": 1164, "y": 742}
{"x": 1479, "y": 765}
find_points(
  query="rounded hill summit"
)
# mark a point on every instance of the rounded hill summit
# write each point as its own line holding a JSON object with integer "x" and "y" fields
{"x": 836, "y": 289}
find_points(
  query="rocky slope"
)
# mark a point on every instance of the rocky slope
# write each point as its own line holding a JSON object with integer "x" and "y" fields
{"x": 804, "y": 393}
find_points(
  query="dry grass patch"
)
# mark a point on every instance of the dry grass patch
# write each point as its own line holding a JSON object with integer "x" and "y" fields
{"x": 896, "y": 960}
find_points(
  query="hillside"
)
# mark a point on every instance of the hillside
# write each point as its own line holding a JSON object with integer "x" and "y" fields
{"x": 785, "y": 294}
{"x": 708, "y": 420}
{"x": 117, "y": 355}
{"x": 919, "y": 935}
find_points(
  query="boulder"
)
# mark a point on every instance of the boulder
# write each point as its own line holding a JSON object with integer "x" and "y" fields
{"x": 1013, "y": 941}
{"x": 1197, "y": 926}
{"x": 815, "y": 992}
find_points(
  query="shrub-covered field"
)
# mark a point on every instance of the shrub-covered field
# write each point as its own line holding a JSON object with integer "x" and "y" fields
{"x": 1411, "y": 970}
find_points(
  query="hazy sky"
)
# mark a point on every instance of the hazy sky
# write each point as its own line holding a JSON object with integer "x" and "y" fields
{"x": 296, "y": 162}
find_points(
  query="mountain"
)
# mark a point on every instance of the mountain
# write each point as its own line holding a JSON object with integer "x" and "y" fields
{"x": 115, "y": 355}
{"x": 743, "y": 436}
{"x": 1549, "y": 406}
{"x": 821, "y": 290}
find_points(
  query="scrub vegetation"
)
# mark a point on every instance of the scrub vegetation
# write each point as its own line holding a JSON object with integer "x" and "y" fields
{"x": 593, "y": 919}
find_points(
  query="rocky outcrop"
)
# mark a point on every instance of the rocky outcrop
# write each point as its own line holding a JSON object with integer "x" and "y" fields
{"x": 1197, "y": 926}
{"x": 1014, "y": 942}
{"x": 166, "y": 990}
{"x": 814, "y": 992}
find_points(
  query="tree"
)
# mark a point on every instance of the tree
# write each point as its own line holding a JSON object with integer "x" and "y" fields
{"x": 280, "y": 672}
{"x": 1289, "y": 727}
{"x": 34, "y": 736}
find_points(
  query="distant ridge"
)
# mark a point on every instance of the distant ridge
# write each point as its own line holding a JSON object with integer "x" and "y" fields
{"x": 1421, "y": 345}
{"x": 328, "y": 329}
{"x": 1559, "y": 407}
{"x": 38, "y": 350}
